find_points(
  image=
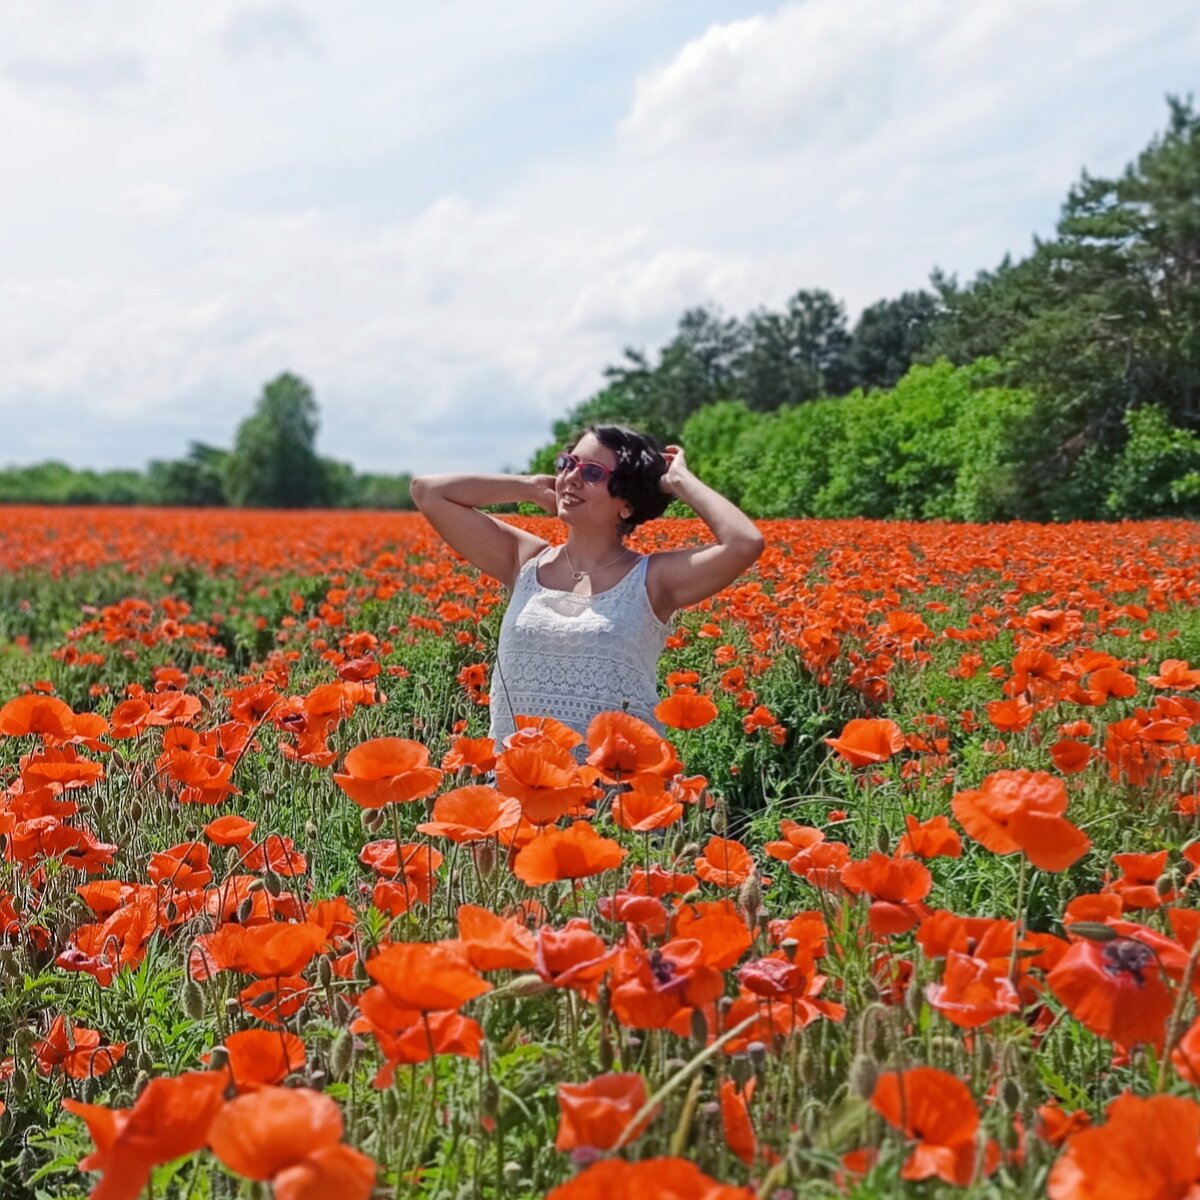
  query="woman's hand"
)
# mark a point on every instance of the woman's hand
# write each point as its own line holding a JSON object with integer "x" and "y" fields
{"x": 676, "y": 472}
{"x": 543, "y": 493}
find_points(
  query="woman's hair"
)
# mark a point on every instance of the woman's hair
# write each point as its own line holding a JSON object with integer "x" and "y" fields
{"x": 635, "y": 478}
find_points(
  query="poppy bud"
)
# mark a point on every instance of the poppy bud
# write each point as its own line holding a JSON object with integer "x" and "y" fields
{"x": 341, "y": 1010}
{"x": 1010, "y": 1094}
{"x": 145, "y": 1061}
{"x": 1164, "y": 885}
{"x": 489, "y": 1098}
{"x": 244, "y": 910}
{"x": 341, "y": 1054}
{"x": 311, "y": 831}
{"x": 135, "y": 811}
{"x": 372, "y": 819}
{"x": 750, "y": 899}
{"x": 171, "y": 912}
{"x": 864, "y": 1075}
{"x": 718, "y": 822}
{"x": 191, "y": 999}
{"x": 23, "y": 1039}
{"x": 1094, "y": 931}
{"x": 272, "y": 882}
{"x": 485, "y": 858}
{"x": 606, "y": 1055}
{"x": 19, "y": 1084}
{"x": 914, "y": 1002}
{"x": 883, "y": 839}
{"x": 8, "y": 962}
{"x": 526, "y": 985}
{"x": 699, "y": 1028}
{"x": 324, "y": 970}
{"x": 741, "y": 1069}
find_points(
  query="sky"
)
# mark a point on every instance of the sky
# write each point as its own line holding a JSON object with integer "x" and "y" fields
{"x": 449, "y": 218}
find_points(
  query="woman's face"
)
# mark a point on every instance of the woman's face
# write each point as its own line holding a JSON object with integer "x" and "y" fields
{"x": 589, "y": 505}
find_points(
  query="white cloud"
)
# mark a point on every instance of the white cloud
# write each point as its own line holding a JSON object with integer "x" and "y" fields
{"x": 450, "y": 223}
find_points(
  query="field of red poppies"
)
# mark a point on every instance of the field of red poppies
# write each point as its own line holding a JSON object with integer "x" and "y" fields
{"x": 906, "y": 906}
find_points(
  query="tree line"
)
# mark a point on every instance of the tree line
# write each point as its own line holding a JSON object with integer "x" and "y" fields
{"x": 1063, "y": 385}
{"x": 273, "y": 464}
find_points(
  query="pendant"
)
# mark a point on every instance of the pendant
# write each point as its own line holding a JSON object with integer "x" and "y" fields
{"x": 577, "y": 575}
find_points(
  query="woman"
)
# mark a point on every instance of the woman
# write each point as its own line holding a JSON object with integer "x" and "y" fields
{"x": 587, "y": 620}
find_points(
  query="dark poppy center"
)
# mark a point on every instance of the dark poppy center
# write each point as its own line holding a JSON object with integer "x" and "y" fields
{"x": 1126, "y": 956}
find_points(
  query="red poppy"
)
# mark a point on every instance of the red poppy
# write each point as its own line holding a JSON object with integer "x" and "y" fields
{"x": 264, "y": 1133}
{"x": 735, "y": 1119}
{"x": 1070, "y": 756}
{"x": 660, "y": 1178}
{"x": 622, "y": 746}
{"x": 868, "y": 740}
{"x": 797, "y": 839}
{"x": 1022, "y": 811}
{"x": 646, "y": 806}
{"x": 971, "y": 993}
{"x": 388, "y": 771}
{"x": 897, "y": 885}
{"x": 1115, "y": 989}
{"x": 686, "y": 710}
{"x": 725, "y": 863}
{"x": 1148, "y": 1149}
{"x": 545, "y": 778}
{"x": 573, "y": 853}
{"x": 76, "y": 1050}
{"x": 426, "y": 976}
{"x": 492, "y": 942}
{"x": 478, "y": 754}
{"x": 259, "y": 1057}
{"x": 938, "y": 1110}
{"x": 597, "y": 1114}
{"x": 46, "y": 716}
{"x": 574, "y": 956}
{"x": 170, "y": 1118}
{"x": 229, "y": 831}
{"x": 933, "y": 839}
{"x": 471, "y": 814}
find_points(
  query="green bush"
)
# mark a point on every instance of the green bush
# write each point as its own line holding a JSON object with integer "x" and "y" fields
{"x": 1158, "y": 470}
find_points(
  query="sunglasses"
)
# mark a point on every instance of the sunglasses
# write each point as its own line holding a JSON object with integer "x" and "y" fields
{"x": 589, "y": 472}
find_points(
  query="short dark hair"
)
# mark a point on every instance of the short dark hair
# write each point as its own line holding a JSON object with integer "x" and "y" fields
{"x": 635, "y": 479}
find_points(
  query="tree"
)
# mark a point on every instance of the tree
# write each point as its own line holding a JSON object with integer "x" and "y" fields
{"x": 274, "y": 463}
{"x": 198, "y": 480}
{"x": 796, "y": 355}
{"x": 888, "y": 337}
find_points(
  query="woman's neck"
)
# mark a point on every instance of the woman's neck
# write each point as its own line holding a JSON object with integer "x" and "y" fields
{"x": 593, "y": 550}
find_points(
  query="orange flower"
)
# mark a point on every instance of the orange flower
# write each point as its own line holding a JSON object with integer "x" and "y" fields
{"x": 938, "y": 1110}
{"x": 573, "y": 853}
{"x": 184, "y": 867}
{"x": 471, "y": 814}
{"x": 1022, "y": 810}
{"x": 660, "y": 1178}
{"x": 686, "y": 710}
{"x": 267, "y": 1133}
{"x": 933, "y": 839}
{"x": 797, "y": 839}
{"x": 574, "y": 956}
{"x": 596, "y": 1114}
{"x": 970, "y": 993}
{"x": 1149, "y": 1149}
{"x": 170, "y": 1118}
{"x": 388, "y": 771}
{"x": 1010, "y": 716}
{"x": 493, "y": 943}
{"x": 1115, "y": 990}
{"x": 622, "y": 747}
{"x": 897, "y": 885}
{"x": 735, "y": 1119}
{"x": 76, "y": 1050}
{"x": 725, "y": 863}
{"x": 46, "y": 716}
{"x": 647, "y": 805}
{"x": 258, "y": 1057}
{"x": 545, "y": 778}
{"x": 1070, "y": 756}
{"x": 477, "y": 753}
{"x": 426, "y": 976}
{"x": 1175, "y": 673}
{"x": 868, "y": 740}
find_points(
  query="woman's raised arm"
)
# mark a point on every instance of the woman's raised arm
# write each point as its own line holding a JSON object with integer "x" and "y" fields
{"x": 451, "y": 505}
{"x": 678, "y": 578}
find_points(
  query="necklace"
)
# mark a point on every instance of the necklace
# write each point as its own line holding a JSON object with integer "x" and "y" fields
{"x": 577, "y": 575}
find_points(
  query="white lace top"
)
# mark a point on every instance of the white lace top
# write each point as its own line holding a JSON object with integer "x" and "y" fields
{"x": 571, "y": 657}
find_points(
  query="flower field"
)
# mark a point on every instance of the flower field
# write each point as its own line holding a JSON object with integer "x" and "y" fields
{"x": 906, "y": 905}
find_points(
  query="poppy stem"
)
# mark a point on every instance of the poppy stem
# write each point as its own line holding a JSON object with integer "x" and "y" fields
{"x": 1019, "y": 920}
{"x": 1185, "y": 990}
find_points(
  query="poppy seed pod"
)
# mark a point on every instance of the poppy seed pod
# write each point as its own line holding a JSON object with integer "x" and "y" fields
{"x": 218, "y": 1058}
{"x": 741, "y": 1068}
{"x": 863, "y": 1076}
